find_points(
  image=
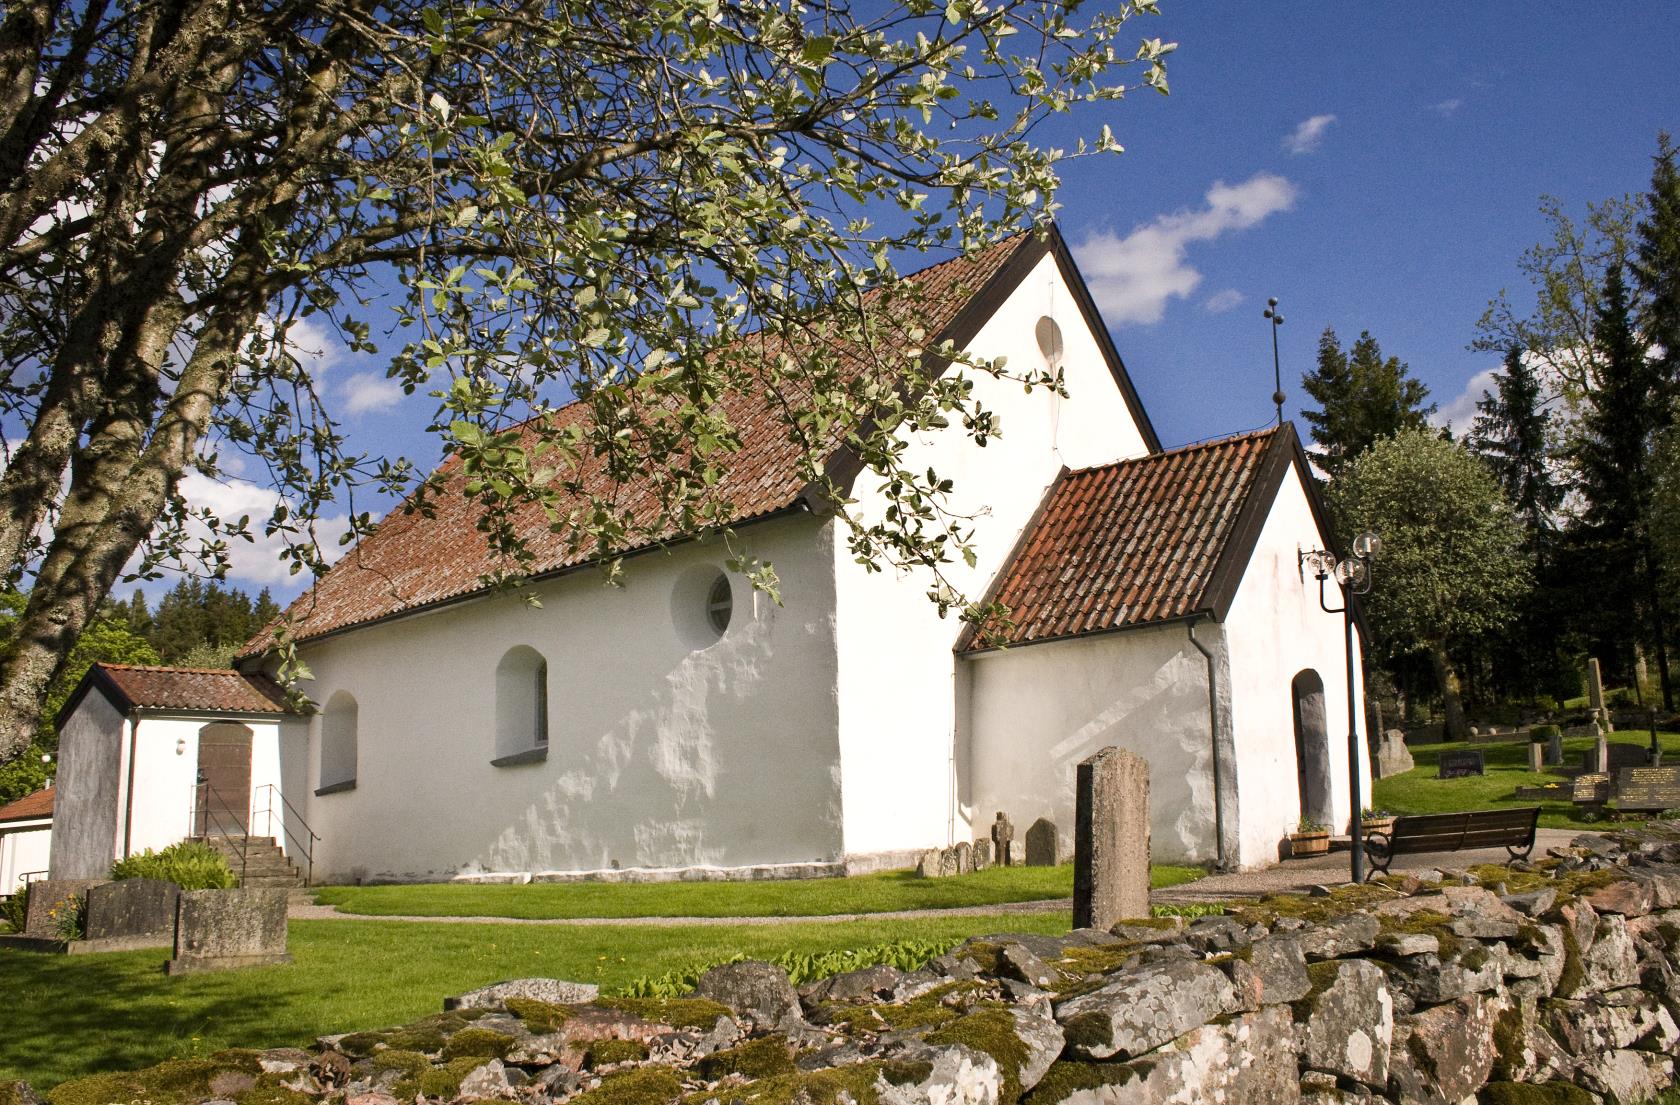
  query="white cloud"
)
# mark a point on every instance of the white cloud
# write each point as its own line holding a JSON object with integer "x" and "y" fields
{"x": 370, "y": 391}
{"x": 1446, "y": 107}
{"x": 1220, "y": 302}
{"x": 1461, "y": 411}
{"x": 1132, "y": 278}
{"x": 1306, "y": 137}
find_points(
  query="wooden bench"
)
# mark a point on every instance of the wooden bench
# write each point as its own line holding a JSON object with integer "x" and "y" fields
{"x": 1512, "y": 830}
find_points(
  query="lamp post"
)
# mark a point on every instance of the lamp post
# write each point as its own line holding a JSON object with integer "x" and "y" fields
{"x": 1354, "y": 575}
{"x": 1277, "y": 372}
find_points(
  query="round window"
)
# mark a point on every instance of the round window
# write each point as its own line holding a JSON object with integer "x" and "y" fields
{"x": 720, "y": 603}
{"x": 1049, "y": 336}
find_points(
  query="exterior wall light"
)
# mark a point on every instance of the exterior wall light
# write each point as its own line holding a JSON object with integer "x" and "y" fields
{"x": 180, "y": 746}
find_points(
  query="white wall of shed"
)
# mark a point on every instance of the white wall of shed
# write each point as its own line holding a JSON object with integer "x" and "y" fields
{"x": 903, "y": 757}
{"x": 25, "y": 849}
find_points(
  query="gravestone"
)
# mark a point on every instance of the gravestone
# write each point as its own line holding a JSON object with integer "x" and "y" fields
{"x": 1648, "y": 788}
{"x": 928, "y": 866}
{"x": 1595, "y": 695}
{"x": 1393, "y": 757}
{"x": 1043, "y": 849}
{"x": 1610, "y": 757}
{"x": 1457, "y": 763}
{"x": 219, "y": 929}
{"x": 1554, "y": 748}
{"x": 132, "y": 913}
{"x": 1003, "y": 836}
{"x": 965, "y": 857}
{"x": 1536, "y": 755}
{"x": 1590, "y": 789}
{"x": 1110, "y": 839}
{"x": 982, "y": 854}
{"x": 47, "y": 900}
{"x": 948, "y": 863}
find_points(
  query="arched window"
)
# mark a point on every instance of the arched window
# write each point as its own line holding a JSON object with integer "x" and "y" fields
{"x": 338, "y": 744}
{"x": 521, "y": 707}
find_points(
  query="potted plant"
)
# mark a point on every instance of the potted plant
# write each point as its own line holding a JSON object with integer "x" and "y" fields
{"x": 1310, "y": 838}
{"x": 1376, "y": 820}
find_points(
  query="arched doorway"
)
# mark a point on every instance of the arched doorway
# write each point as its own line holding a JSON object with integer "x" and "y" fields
{"x": 1312, "y": 746}
{"x": 224, "y": 779}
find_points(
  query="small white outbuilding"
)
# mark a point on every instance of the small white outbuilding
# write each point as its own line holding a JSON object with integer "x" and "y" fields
{"x": 684, "y": 725}
{"x": 25, "y": 840}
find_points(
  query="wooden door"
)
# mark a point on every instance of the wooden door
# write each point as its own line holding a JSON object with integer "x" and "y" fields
{"x": 224, "y": 779}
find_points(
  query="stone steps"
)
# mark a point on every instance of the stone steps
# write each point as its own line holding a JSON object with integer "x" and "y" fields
{"x": 258, "y": 860}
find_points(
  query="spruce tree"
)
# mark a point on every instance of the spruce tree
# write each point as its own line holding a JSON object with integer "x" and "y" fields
{"x": 1363, "y": 398}
{"x": 1510, "y": 433}
{"x": 1626, "y": 407}
{"x": 1656, "y": 269}
{"x": 1331, "y": 386}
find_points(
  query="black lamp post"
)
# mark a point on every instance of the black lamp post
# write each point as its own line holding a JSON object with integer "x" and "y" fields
{"x": 1354, "y": 574}
{"x": 1277, "y": 371}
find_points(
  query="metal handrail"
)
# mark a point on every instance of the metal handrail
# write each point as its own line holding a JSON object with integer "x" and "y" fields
{"x": 306, "y": 844}
{"x": 208, "y": 813}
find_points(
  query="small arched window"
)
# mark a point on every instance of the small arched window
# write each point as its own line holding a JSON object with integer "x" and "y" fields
{"x": 338, "y": 744}
{"x": 521, "y": 707}
{"x": 720, "y": 604}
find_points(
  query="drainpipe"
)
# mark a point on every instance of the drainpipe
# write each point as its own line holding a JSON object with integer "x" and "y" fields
{"x": 128, "y": 793}
{"x": 1213, "y": 739}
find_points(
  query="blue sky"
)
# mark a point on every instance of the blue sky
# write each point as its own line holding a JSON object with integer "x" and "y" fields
{"x": 1374, "y": 166}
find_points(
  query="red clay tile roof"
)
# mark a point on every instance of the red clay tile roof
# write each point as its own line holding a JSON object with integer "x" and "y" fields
{"x": 413, "y": 561}
{"x": 1134, "y": 543}
{"x": 211, "y": 690}
{"x": 30, "y": 807}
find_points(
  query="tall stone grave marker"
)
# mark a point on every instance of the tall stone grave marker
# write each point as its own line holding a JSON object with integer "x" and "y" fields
{"x": 1043, "y": 849}
{"x": 1111, "y": 839}
{"x": 1595, "y": 695}
{"x": 1003, "y": 836}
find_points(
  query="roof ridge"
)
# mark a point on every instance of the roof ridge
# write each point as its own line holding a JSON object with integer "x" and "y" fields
{"x": 175, "y": 670}
{"x": 1166, "y": 454}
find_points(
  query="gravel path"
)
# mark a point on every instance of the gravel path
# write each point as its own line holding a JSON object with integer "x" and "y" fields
{"x": 1296, "y": 876}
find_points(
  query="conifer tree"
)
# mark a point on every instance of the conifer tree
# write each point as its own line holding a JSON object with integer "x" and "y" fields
{"x": 1511, "y": 433}
{"x": 1362, "y": 397}
{"x": 1626, "y": 407}
{"x": 1656, "y": 269}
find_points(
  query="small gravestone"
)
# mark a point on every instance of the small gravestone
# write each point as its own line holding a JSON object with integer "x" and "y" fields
{"x": 1043, "y": 849}
{"x": 1621, "y": 755}
{"x": 48, "y": 901}
{"x": 1536, "y": 756}
{"x": 131, "y": 913}
{"x": 1393, "y": 757}
{"x": 928, "y": 866}
{"x": 1457, "y": 763}
{"x": 948, "y": 863}
{"x": 1110, "y": 839}
{"x": 1003, "y": 836}
{"x": 1648, "y": 788}
{"x": 965, "y": 857}
{"x": 219, "y": 929}
{"x": 1590, "y": 789}
{"x": 1554, "y": 747}
{"x": 982, "y": 854}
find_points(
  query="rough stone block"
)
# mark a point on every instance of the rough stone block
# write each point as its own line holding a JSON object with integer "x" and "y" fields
{"x": 751, "y": 989}
{"x": 928, "y": 865}
{"x": 1245, "y": 1059}
{"x": 1346, "y": 1027}
{"x": 552, "y": 990}
{"x": 982, "y": 854}
{"x": 1143, "y": 1009}
{"x": 1446, "y": 1052}
{"x": 965, "y": 857}
{"x": 1111, "y": 839}
{"x": 219, "y": 929}
{"x": 132, "y": 910}
{"x": 1043, "y": 848}
{"x": 45, "y": 898}
{"x": 1393, "y": 757}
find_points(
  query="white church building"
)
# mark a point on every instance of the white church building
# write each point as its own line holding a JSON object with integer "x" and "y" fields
{"x": 684, "y": 723}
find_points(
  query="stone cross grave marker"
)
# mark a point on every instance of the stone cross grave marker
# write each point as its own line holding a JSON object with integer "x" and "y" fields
{"x": 1003, "y": 836}
{"x": 1043, "y": 849}
{"x": 1111, "y": 839}
{"x": 1456, "y": 763}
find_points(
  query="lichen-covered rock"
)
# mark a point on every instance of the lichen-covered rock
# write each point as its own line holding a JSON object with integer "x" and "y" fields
{"x": 1341, "y": 936}
{"x": 1432, "y": 980}
{"x": 1282, "y": 967}
{"x": 1346, "y": 1025}
{"x": 1628, "y": 897}
{"x": 1142, "y": 1009}
{"x": 1627, "y": 1075}
{"x": 1217, "y": 934}
{"x": 1015, "y": 961}
{"x": 1620, "y": 1019}
{"x": 1612, "y": 962}
{"x": 1043, "y": 1040}
{"x": 956, "y": 1075}
{"x": 1444, "y": 1053}
{"x": 754, "y": 989}
{"x": 554, "y": 991}
{"x": 487, "y": 1081}
{"x": 865, "y": 983}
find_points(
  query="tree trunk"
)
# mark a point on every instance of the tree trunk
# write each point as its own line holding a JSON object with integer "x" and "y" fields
{"x": 1452, "y": 695}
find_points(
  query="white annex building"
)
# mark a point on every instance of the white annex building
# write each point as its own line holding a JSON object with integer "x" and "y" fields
{"x": 683, "y": 721}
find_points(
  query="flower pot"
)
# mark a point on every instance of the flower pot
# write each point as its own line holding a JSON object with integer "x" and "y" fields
{"x": 1377, "y": 825}
{"x": 1309, "y": 844}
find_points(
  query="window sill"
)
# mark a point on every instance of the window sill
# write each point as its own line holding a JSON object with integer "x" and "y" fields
{"x": 335, "y": 788}
{"x": 529, "y": 756}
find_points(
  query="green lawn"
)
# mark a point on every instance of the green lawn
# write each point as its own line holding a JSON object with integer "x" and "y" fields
{"x": 879, "y": 893}
{"x": 72, "y": 1015}
{"x": 1419, "y": 791}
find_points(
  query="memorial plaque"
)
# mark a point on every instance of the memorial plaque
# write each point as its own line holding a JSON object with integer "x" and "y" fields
{"x": 1460, "y": 762}
{"x": 1592, "y": 788}
{"x": 1648, "y": 788}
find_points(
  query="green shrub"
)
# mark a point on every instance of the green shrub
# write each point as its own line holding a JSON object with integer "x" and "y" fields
{"x": 1542, "y": 733}
{"x": 189, "y": 864}
{"x": 15, "y": 909}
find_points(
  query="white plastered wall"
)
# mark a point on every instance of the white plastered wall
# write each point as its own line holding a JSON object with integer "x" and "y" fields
{"x": 903, "y": 749}
{"x": 25, "y": 849}
{"x": 1276, "y": 629}
{"x": 1040, "y": 709}
{"x": 160, "y": 812}
{"x": 663, "y": 750}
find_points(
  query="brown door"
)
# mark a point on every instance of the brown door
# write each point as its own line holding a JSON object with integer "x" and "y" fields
{"x": 224, "y": 779}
